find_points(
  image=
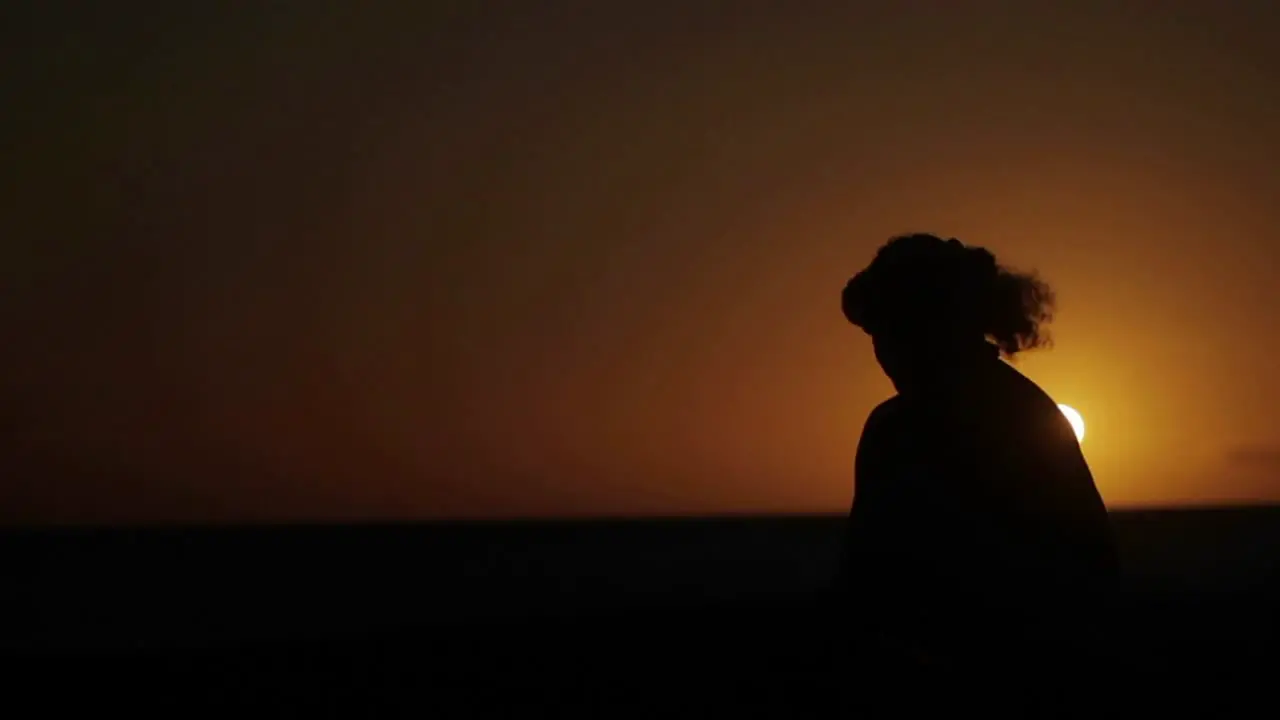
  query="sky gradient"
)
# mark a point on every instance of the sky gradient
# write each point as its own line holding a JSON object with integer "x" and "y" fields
{"x": 296, "y": 261}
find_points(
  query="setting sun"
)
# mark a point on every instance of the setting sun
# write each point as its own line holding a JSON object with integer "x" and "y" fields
{"x": 1076, "y": 420}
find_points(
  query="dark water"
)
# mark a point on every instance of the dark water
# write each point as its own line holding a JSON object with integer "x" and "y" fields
{"x": 174, "y": 587}
{"x": 714, "y": 617}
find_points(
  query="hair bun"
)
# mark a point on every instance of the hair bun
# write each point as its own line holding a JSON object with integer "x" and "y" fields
{"x": 980, "y": 264}
{"x": 922, "y": 284}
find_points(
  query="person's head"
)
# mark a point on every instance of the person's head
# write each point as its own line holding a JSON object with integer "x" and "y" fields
{"x": 929, "y": 303}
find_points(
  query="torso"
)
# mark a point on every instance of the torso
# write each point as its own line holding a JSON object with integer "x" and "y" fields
{"x": 982, "y": 485}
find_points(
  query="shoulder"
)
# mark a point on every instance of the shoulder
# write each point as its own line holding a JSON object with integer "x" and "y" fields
{"x": 887, "y": 413}
{"x": 884, "y": 421}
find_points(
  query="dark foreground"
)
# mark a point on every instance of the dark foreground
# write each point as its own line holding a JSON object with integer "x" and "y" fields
{"x": 729, "y": 615}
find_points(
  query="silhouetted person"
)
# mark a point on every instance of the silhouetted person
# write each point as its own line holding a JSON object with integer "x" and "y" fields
{"x": 975, "y": 519}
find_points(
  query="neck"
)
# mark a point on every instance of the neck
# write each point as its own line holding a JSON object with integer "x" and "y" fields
{"x": 946, "y": 366}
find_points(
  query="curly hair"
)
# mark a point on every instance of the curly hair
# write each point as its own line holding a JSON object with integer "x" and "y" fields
{"x": 922, "y": 286}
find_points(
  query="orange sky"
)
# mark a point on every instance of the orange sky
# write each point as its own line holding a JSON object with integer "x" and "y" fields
{"x": 580, "y": 259}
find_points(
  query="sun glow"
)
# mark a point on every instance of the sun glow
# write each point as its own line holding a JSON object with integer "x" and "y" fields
{"x": 1076, "y": 420}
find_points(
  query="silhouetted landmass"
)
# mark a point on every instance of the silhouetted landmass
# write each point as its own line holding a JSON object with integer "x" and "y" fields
{"x": 737, "y": 592}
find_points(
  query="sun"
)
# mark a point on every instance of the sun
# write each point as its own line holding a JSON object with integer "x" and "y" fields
{"x": 1076, "y": 420}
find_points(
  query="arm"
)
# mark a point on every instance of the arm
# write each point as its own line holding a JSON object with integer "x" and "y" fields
{"x": 867, "y": 491}
{"x": 1056, "y": 516}
{"x": 1081, "y": 515}
{"x": 880, "y": 559}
